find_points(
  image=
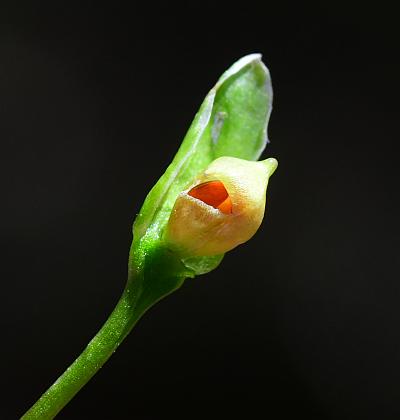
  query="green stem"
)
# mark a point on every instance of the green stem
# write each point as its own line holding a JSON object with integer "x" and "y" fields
{"x": 152, "y": 275}
{"x": 102, "y": 346}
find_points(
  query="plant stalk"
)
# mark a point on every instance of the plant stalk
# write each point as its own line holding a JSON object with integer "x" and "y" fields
{"x": 101, "y": 347}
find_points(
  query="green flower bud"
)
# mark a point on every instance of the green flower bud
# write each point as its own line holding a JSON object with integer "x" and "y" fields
{"x": 221, "y": 209}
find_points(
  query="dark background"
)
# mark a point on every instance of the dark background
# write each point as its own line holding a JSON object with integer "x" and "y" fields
{"x": 304, "y": 319}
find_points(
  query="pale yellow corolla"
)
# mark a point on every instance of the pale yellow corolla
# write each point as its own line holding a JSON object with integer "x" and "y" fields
{"x": 222, "y": 208}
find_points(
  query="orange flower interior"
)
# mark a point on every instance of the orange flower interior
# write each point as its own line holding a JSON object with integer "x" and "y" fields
{"x": 214, "y": 194}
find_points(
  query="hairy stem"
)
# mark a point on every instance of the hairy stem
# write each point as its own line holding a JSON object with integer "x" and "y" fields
{"x": 153, "y": 274}
{"x": 97, "y": 352}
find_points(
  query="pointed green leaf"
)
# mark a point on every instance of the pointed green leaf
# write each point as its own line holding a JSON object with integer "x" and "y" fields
{"x": 232, "y": 121}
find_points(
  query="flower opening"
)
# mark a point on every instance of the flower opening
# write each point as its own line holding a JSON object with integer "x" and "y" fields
{"x": 214, "y": 194}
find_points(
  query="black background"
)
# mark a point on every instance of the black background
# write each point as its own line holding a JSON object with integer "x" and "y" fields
{"x": 301, "y": 321}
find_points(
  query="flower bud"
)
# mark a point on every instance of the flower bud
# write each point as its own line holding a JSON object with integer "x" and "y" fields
{"x": 222, "y": 208}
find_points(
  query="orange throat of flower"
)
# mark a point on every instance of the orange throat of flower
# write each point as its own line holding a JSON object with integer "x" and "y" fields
{"x": 214, "y": 194}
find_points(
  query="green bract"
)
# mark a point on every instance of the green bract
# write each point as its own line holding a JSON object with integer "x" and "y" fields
{"x": 232, "y": 121}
